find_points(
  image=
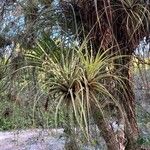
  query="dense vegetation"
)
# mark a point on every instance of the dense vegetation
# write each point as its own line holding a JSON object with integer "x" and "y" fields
{"x": 73, "y": 64}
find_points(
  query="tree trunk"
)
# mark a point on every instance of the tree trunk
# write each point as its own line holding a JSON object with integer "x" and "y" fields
{"x": 106, "y": 130}
{"x": 127, "y": 99}
{"x": 70, "y": 143}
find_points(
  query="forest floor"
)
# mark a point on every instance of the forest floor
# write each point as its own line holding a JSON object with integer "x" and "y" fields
{"x": 39, "y": 139}
{"x": 33, "y": 139}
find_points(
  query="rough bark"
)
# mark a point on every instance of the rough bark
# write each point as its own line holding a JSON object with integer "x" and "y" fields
{"x": 127, "y": 100}
{"x": 106, "y": 131}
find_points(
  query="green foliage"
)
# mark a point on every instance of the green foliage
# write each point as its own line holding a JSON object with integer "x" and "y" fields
{"x": 142, "y": 115}
{"x": 14, "y": 116}
{"x": 144, "y": 141}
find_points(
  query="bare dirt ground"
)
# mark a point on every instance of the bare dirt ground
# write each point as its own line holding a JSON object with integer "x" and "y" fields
{"x": 34, "y": 139}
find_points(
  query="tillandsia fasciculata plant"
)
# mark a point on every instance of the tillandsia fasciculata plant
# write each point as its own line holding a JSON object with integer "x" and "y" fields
{"x": 82, "y": 86}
